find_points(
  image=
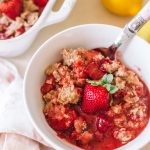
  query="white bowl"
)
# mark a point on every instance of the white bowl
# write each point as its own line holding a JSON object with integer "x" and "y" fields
{"x": 18, "y": 45}
{"x": 89, "y": 36}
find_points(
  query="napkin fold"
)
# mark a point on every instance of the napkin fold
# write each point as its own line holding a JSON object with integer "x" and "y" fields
{"x": 16, "y": 130}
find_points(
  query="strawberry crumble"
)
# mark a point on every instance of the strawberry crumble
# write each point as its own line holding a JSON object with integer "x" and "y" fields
{"x": 18, "y": 16}
{"x": 93, "y": 102}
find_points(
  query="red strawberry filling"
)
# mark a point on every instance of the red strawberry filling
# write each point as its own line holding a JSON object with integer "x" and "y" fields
{"x": 103, "y": 123}
{"x": 61, "y": 118}
{"x": 41, "y": 3}
{"x": 48, "y": 85}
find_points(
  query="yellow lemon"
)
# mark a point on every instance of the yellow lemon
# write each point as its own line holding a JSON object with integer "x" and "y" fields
{"x": 145, "y": 32}
{"x": 123, "y": 7}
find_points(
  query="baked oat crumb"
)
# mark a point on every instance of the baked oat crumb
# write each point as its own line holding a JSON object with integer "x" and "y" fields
{"x": 70, "y": 56}
{"x": 123, "y": 135}
{"x": 28, "y": 5}
{"x": 68, "y": 94}
{"x": 117, "y": 109}
{"x": 111, "y": 68}
{"x": 120, "y": 83}
{"x": 131, "y": 97}
{"x": 138, "y": 111}
{"x": 121, "y": 72}
{"x": 51, "y": 97}
{"x": 80, "y": 125}
{"x": 132, "y": 78}
{"x": 32, "y": 18}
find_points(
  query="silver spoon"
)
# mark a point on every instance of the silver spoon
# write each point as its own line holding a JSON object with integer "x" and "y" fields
{"x": 129, "y": 31}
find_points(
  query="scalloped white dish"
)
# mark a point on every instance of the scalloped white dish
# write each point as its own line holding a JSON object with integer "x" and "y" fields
{"x": 18, "y": 45}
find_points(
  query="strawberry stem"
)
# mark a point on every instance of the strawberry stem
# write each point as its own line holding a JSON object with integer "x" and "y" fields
{"x": 111, "y": 100}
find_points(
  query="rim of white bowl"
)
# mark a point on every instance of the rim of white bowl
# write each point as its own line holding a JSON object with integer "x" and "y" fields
{"x": 25, "y": 78}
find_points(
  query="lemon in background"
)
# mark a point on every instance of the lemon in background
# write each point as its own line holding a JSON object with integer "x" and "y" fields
{"x": 145, "y": 32}
{"x": 123, "y": 7}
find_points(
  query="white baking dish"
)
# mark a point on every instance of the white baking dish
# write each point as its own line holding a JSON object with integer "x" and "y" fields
{"x": 18, "y": 45}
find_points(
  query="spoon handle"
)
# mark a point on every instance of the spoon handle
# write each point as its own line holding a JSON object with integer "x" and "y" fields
{"x": 133, "y": 26}
{"x": 145, "y": 12}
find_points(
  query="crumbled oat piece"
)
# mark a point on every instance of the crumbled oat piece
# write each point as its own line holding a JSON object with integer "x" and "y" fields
{"x": 133, "y": 124}
{"x": 47, "y": 108}
{"x": 61, "y": 73}
{"x": 120, "y": 121}
{"x": 51, "y": 97}
{"x": 132, "y": 78}
{"x": 92, "y": 55}
{"x": 111, "y": 68}
{"x": 121, "y": 72}
{"x": 138, "y": 111}
{"x": 5, "y": 20}
{"x": 70, "y": 56}
{"x": 29, "y": 5}
{"x": 86, "y": 137}
{"x": 117, "y": 109}
{"x": 56, "y": 76}
{"x": 80, "y": 125}
{"x": 123, "y": 135}
{"x": 51, "y": 68}
{"x": 32, "y": 18}
{"x": 131, "y": 97}
{"x": 14, "y": 26}
{"x": 98, "y": 57}
{"x": 68, "y": 94}
{"x": 24, "y": 15}
{"x": 120, "y": 83}
{"x": 57, "y": 110}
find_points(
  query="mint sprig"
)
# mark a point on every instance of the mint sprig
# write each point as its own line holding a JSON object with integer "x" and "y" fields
{"x": 105, "y": 81}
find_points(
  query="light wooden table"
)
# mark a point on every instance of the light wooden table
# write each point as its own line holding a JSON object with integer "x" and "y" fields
{"x": 85, "y": 11}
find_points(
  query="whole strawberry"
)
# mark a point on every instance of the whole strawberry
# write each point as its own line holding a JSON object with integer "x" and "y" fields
{"x": 40, "y": 3}
{"x": 11, "y": 8}
{"x": 95, "y": 98}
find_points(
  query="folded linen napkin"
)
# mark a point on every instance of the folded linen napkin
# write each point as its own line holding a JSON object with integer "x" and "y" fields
{"x": 16, "y": 131}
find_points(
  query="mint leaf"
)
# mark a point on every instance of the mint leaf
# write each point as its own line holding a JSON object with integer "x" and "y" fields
{"x": 107, "y": 78}
{"x": 104, "y": 79}
{"x": 106, "y": 82}
{"x": 111, "y": 100}
{"x": 113, "y": 89}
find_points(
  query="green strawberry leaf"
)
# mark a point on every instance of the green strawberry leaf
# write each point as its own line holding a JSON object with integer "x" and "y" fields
{"x": 107, "y": 86}
{"x": 111, "y": 100}
{"x": 113, "y": 89}
{"x": 106, "y": 82}
{"x": 94, "y": 82}
{"x": 107, "y": 78}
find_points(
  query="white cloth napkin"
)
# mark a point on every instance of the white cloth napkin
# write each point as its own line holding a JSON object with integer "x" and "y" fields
{"x": 16, "y": 131}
